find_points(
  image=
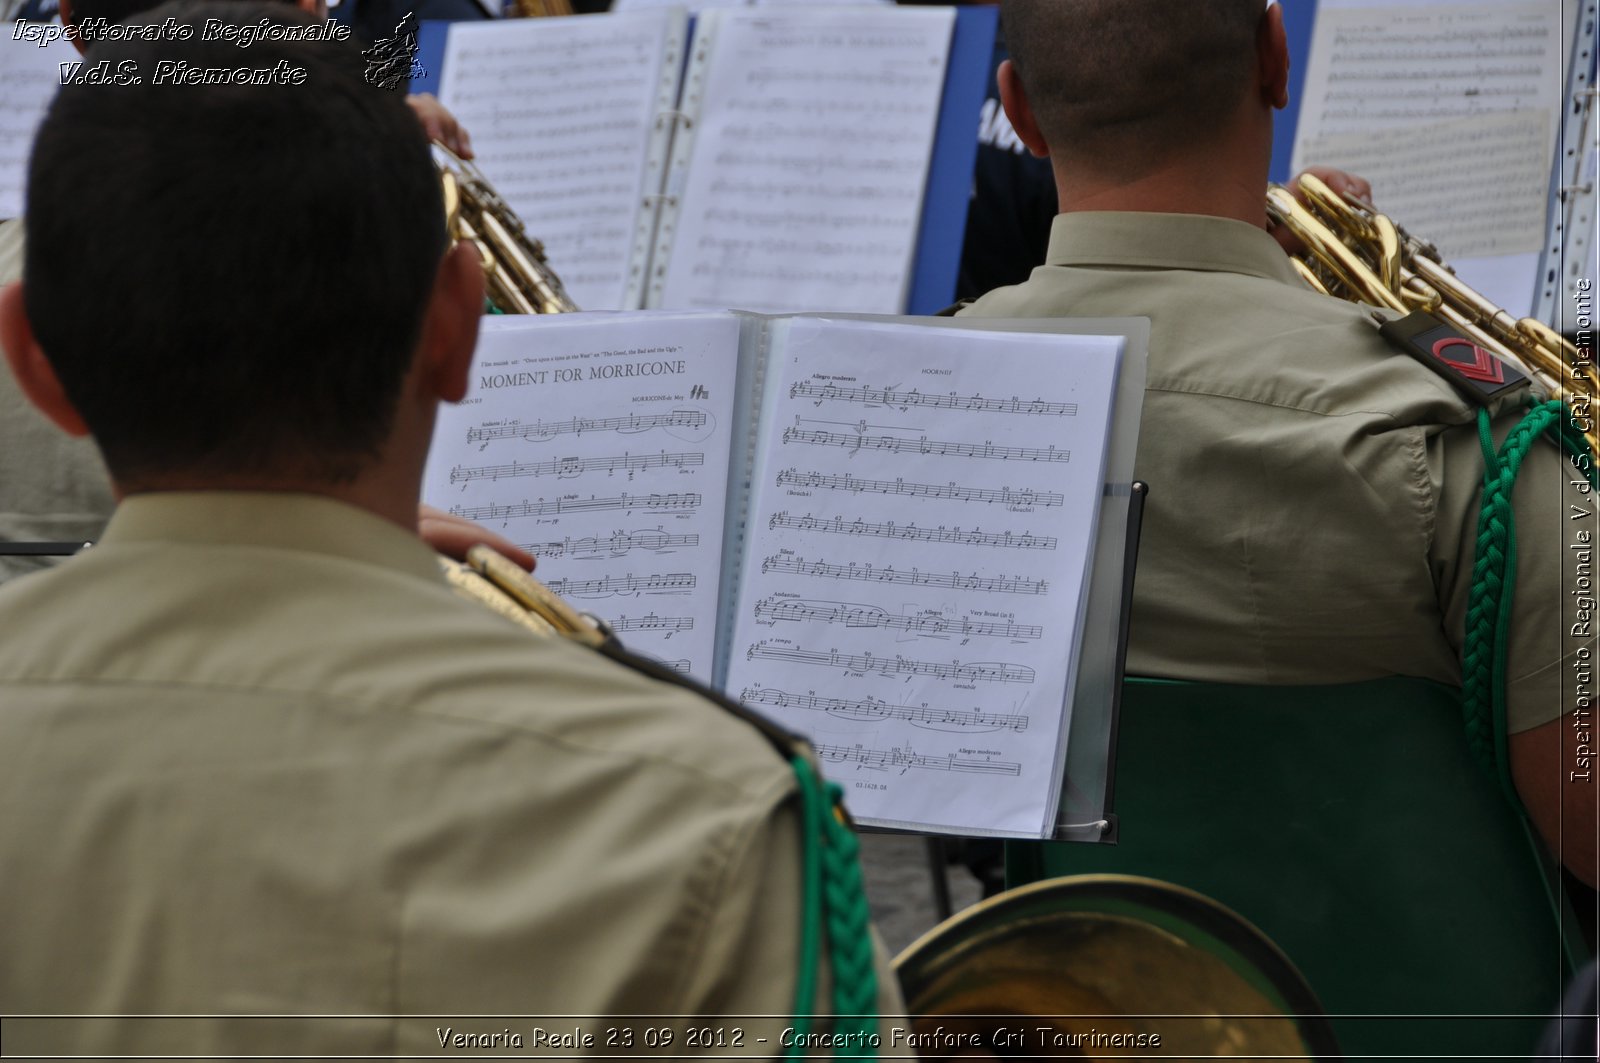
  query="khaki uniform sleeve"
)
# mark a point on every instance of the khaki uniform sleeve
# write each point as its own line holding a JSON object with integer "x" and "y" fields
{"x": 1552, "y": 606}
{"x": 747, "y": 971}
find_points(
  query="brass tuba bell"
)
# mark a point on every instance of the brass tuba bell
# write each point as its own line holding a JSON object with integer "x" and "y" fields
{"x": 1102, "y": 967}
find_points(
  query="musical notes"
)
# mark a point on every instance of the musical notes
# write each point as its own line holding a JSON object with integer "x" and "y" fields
{"x": 685, "y": 501}
{"x": 889, "y": 396}
{"x": 873, "y": 709}
{"x": 864, "y": 663}
{"x": 1026, "y": 497}
{"x": 555, "y": 393}
{"x": 906, "y": 758}
{"x": 924, "y": 445}
{"x": 562, "y": 113}
{"x": 29, "y": 78}
{"x": 652, "y": 622}
{"x": 675, "y": 583}
{"x": 804, "y": 117}
{"x": 866, "y": 573}
{"x": 655, "y": 540}
{"x": 1451, "y": 112}
{"x": 629, "y": 425}
{"x": 960, "y": 614}
{"x": 891, "y": 530}
{"x": 567, "y": 468}
{"x": 851, "y": 615}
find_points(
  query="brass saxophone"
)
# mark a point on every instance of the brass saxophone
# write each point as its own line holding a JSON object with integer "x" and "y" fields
{"x": 1355, "y": 253}
{"x": 515, "y": 269}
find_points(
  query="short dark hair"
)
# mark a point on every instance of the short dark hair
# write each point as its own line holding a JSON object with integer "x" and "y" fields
{"x": 1130, "y": 82}
{"x": 231, "y": 278}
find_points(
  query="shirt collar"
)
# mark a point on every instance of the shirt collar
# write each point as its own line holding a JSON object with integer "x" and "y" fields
{"x": 1166, "y": 241}
{"x": 284, "y": 521}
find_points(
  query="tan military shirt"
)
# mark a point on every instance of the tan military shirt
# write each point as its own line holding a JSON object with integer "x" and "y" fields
{"x": 258, "y": 759}
{"x": 53, "y": 488}
{"x": 1314, "y": 492}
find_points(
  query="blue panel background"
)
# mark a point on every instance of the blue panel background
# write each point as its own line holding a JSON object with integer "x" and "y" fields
{"x": 430, "y": 56}
{"x": 955, "y": 151}
{"x": 1299, "y": 17}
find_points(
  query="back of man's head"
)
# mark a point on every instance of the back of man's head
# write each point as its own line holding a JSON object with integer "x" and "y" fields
{"x": 1127, "y": 84}
{"x": 229, "y": 270}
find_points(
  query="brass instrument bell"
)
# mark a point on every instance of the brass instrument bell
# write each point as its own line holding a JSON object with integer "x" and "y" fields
{"x": 1107, "y": 966}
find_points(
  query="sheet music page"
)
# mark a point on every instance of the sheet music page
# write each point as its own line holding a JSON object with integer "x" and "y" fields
{"x": 1451, "y": 111}
{"x": 601, "y": 444}
{"x": 924, "y": 511}
{"x": 561, "y": 111}
{"x": 804, "y": 187}
{"x": 29, "y": 77}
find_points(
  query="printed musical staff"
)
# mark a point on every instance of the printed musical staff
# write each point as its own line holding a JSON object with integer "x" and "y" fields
{"x": 823, "y": 140}
{"x": 859, "y": 485}
{"x": 886, "y": 396}
{"x": 631, "y": 424}
{"x": 680, "y": 666}
{"x": 983, "y": 672}
{"x": 891, "y": 530}
{"x": 873, "y": 709}
{"x": 685, "y": 501}
{"x": 868, "y": 574}
{"x": 614, "y": 545}
{"x": 652, "y": 622}
{"x": 674, "y": 583}
{"x": 906, "y": 758}
{"x": 853, "y": 615}
{"x": 566, "y": 468}
{"x": 943, "y": 448}
{"x": 560, "y": 114}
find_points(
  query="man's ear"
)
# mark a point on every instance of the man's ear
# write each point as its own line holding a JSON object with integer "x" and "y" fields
{"x": 450, "y": 329}
{"x": 35, "y": 375}
{"x": 1272, "y": 58}
{"x": 1014, "y": 98}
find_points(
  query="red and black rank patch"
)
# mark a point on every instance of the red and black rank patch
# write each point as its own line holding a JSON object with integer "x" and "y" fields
{"x": 1478, "y": 374}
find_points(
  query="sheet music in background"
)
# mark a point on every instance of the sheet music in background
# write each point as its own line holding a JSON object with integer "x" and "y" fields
{"x": 29, "y": 77}
{"x": 806, "y": 167}
{"x": 1451, "y": 111}
{"x": 562, "y": 114}
{"x": 601, "y": 443}
{"x": 915, "y": 560}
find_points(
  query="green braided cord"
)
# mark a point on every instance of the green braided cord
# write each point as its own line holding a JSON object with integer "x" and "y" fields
{"x": 805, "y": 993}
{"x": 855, "y": 974}
{"x": 1494, "y": 575}
{"x": 835, "y": 893}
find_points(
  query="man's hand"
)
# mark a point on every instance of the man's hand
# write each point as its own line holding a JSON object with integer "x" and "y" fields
{"x": 440, "y": 124}
{"x": 1345, "y": 184}
{"x": 453, "y": 536}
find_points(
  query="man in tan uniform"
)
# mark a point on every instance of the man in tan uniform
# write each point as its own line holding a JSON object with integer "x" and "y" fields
{"x": 258, "y": 759}
{"x": 1314, "y": 492}
{"x": 54, "y": 488}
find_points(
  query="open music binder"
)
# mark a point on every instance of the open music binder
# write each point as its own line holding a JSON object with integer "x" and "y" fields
{"x": 815, "y": 158}
{"x": 901, "y": 537}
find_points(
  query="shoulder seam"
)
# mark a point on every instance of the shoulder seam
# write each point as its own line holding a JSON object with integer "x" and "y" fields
{"x": 341, "y": 703}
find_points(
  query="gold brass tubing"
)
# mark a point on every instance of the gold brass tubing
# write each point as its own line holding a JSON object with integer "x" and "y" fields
{"x": 1333, "y": 254}
{"x": 1309, "y": 275}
